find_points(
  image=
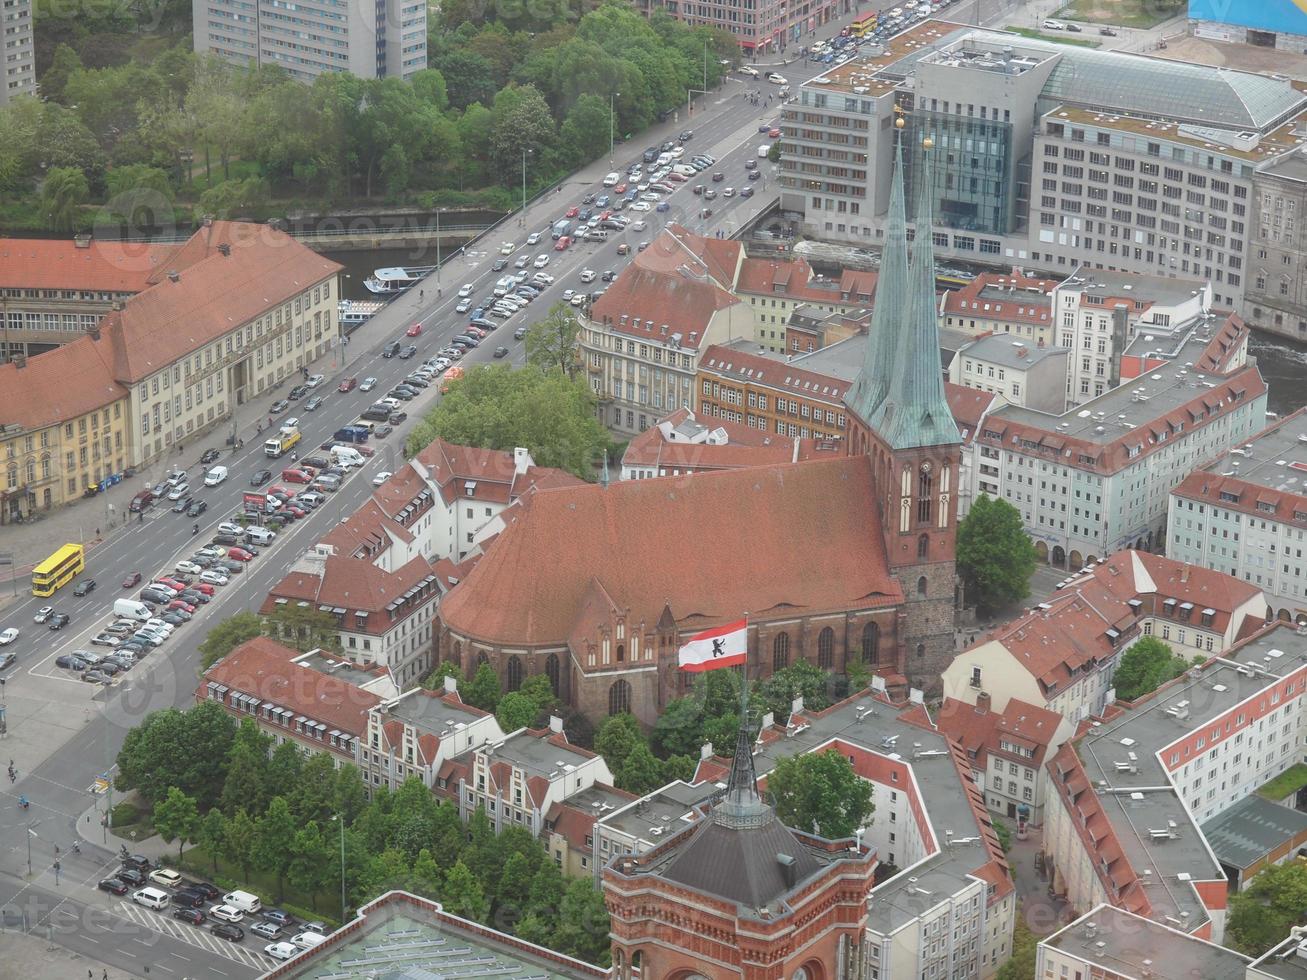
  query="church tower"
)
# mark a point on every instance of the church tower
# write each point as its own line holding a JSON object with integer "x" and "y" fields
{"x": 899, "y": 416}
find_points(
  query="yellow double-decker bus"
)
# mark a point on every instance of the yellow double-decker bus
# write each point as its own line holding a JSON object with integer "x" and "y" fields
{"x": 863, "y": 25}
{"x": 58, "y": 570}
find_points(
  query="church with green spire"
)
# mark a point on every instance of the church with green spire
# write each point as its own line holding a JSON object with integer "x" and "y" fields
{"x": 899, "y": 416}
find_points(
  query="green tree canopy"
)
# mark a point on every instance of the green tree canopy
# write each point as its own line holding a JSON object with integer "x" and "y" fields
{"x": 227, "y": 636}
{"x": 551, "y": 343}
{"x": 182, "y": 749}
{"x": 274, "y": 841}
{"x": 1263, "y": 913}
{"x": 483, "y": 690}
{"x": 302, "y": 627}
{"x": 62, "y": 196}
{"x": 616, "y": 737}
{"x": 177, "y": 818}
{"x": 495, "y": 407}
{"x": 515, "y": 710}
{"x": 994, "y": 555}
{"x": 1146, "y": 666}
{"x": 819, "y": 792}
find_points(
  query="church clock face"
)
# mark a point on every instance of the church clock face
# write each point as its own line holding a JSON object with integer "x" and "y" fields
{"x": 800, "y": 974}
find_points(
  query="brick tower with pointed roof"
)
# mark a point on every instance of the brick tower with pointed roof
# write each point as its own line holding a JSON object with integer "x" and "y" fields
{"x": 899, "y": 416}
{"x": 740, "y": 896}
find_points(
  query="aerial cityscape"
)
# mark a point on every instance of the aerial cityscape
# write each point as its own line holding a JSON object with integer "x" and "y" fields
{"x": 644, "y": 490}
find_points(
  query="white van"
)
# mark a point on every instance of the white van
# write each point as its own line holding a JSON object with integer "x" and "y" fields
{"x": 131, "y": 609}
{"x": 260, "y": 535}
{"x": 307, "y": 940}
{"x": 244, "y": 901}
{"x": 613, "y": 179}
{"x": 151, "y": 898}
{"x": 764, "y": 150}
{"x": 215, "y": 476}
{"x": 344, "y": 456}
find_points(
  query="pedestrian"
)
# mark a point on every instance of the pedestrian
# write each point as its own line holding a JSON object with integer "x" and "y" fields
{"x": 97, "y": 532}
{"x": 105, "y": 976}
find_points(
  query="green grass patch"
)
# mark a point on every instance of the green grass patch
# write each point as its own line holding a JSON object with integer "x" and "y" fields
{"x": 1290, "y": 781}
{"x": 196, "y": 861}
{"x": 131, "y": 822}
{"x": 1079, "y": 42}
{"x": 1122, "y": 13}
{"x": 237, "y": 170}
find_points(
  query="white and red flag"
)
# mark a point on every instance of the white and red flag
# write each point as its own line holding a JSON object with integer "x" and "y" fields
{"x": 721, "y": 646}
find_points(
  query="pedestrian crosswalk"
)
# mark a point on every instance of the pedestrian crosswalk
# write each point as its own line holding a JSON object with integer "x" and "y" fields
{"x": 254, "y": 958}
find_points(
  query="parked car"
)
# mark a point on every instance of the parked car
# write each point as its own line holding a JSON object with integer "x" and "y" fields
{"x": 194, "y": 916}
{"x": 115, "y": 886}
{"x": 225, "y": 930}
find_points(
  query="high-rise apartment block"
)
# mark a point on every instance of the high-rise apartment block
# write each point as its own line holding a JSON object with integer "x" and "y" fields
{"x": 19, "y": 52}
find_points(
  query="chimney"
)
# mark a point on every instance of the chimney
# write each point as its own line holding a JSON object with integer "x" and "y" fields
{"x": 81, "y": 241}
{"x": 555, "y": 725}
{"x": 174, "y": 276}
{"x": 20, "y": 361}
{"x": 522, "y": 461}
{"x": 982, "y": 702}
{"x": 224, "y": 248}
{"x": 788, "y": 870}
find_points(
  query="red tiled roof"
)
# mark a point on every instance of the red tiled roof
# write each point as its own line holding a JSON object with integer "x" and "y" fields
{"x": 811, "y": 530}
{"x": 969, "y": 406}
{"x": 59, "y": 385}
{"x": 494, "y": 471}
{"x": 746, "y": 447}
{"x": 213, "y": 295}
{"x": 1027, "y": 299}
{"x": 263, "y": 668}
{"x": 354, "y": 584}
{"x": 767, "y": 372}
{"x": 100, "y": 267}
{"x": 794, "y": 280}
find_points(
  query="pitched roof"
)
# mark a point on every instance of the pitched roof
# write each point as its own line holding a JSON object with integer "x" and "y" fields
{"x": 493, "y": 471}
{"x": 59, "y": 385}
{"x": 354, "y": 584}
{"x": 978, "y": 729}
{"x": 214, "y": 293}
{"x": 1008, "y": 297}
{"x": 265, "y": 669}
{"x": 101, "y": 267}
{"x": 741, "y": 365}
{"x": 969, "y": 407}
{"x": 744, "y": 446}
{"x": 811, "y": 530}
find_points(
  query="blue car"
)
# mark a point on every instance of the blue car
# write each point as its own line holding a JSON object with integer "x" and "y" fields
{"x": 602, "y": 201}
{"x": 631, "y": 195}
{"x": 478, "y": 312}
{"x": 663, "y": 206}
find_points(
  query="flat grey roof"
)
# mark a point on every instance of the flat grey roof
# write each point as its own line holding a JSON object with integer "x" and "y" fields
{"x": 1141, "y": 801}
{"x": 1277, "y": 459}
{"x": 1287, "y": 166}
{"x": 674, "y": 806}
{"x": 1130, "y": 944}
{"x": 1247, "y": 832}
{"x": 1001, "y": 349}
{"x": 1287, "y": 961}
{"x": 1164, "y": 290}
{"x": 538, "y": 755}
{"x": 1165, "y": 389}
{"x": 430, "y": 713}
{"x": 402, "y": 937}
{"x": 335, "y": 665}
{"x": 598, "y": 798}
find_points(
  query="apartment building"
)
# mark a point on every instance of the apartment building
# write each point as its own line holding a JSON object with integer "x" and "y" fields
{"x": 1020, "y": 374}
{"x": 778, "y": 289}
{"x": 19, "y": 50}
{"x": 1015, "y": 304}
{"x": 383, "y": 40}
{"x": 1100, "y": 314}
{"x": 1056, "y": 156}
{"x": 737, "y": 384}
{"x": 641, "y": 825}
{"x": 53, "y": 291}
{"x": 764, "y": 29}
{"x": 1129, "y": 798}
{"x": 1276, "y": 294}
{"x": 313, "y": 700}
{"x": 1244, "y": 513}
{"x": 1096, "y": 479}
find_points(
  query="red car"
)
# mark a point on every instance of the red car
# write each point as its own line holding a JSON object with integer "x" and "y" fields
{"x": 573, "y": 211}
{"x": 365, "y": 451}
{"x": 277, "y": 490}
{"x": 294, "y": 511}
{"x": 181, "y": 604}
{"x": 172, "y": 583}
{"x": 348, "y": 384}
{"x": 619, "y": 189}
{"x": 239, "y": 554}
{"x": 773, "y": 132}
{"x": 204, "y": 588}
{"x": 414, "y": 330}
{"x": 132, "y": 580}
{"x": 562, "y": 243}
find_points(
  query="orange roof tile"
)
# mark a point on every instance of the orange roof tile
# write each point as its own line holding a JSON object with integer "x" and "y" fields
{"x": 768, "y": 372}
{"x": 59, "y": 385}
{"x": 811, "y": 530}
{"x": 969, "y": 406}
{"x": 1012, "y": 297}
{"x": 100, "y": 267}
{"x": 746, "y": 447}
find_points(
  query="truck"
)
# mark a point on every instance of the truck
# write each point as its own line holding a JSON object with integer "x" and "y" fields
{"x": 281, "y": 443}
{"x": 131, "y": 609}
{"x": 352, "y": 433}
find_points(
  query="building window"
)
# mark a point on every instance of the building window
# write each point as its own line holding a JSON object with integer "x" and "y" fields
{"x": 619, "y": 698}
{"x": 826, "y": 649}
{"x": 871, "y": 643}
{"x": 921, "y": 586}
{"x": 924, "y": 485}
{"x": 780, "y": 652}
{"x": 551, "y": 671}
{"x": 514, "y": 674}
{"x": 923, "y": 546}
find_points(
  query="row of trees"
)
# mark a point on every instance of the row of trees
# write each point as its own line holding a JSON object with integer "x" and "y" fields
{"x": 495, "y": 100}
{"x": 301, "y": 627}
{"x": 225, "y": 787}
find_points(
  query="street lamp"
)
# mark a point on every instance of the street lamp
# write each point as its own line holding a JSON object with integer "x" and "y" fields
{"x": 525, "y": 151}
{"x": 31, "y": 832}
{"x": 612, "y": 99}
{"x": 438, "y": 210}
{"x": 340, "y": 818}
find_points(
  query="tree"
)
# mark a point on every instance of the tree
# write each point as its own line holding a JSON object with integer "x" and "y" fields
{"x": 247, "y": 769}
{"x": 212, "y": 833}
{"x": 1263, "y": 913}
{"x": 495, "y": 407}
{"x": 303, "y": 627}
{"x": 994, "y": 555}
{"x": 311, "y": 867}
{"x": 819, "y": 792}
{"x": 616, "y": 738}
{"x": 274, "y": 841}
{"x": 435, "y": 681}
{"x": 64, "y": 192}
{"x": 227, "y": 636}
{"x": 176, "y": 817}
{"x": 468, "y": 78}
{"x": 799, "y": 680}
{"x": 462, "y": 894}
{"x": 139, "y": 196}
{"x": 315, "y": 786}
{"x": 515, "y": 710}
{"x": 540, "y": 691}
{"x": 641, "y": 773}
{"x": 238, "y": 842}
{"x": 551, "y": 343}
{"x": 679, "y": 767}
{"x": 185, "y": 749}
{"x": 586, "y": 130}
{"x": 1025, "y": 951}
{"x": 1146, "y": 666}
{"x": 483, "y": 691}
{"x": 583, "y": 926}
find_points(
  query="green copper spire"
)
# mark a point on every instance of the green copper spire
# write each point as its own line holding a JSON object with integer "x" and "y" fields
{"x": 873, "y": 381}
{"x": 915, "y": 412}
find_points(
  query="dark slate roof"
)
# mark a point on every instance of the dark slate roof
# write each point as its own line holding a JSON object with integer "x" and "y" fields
{"x": 741, "y": 865}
